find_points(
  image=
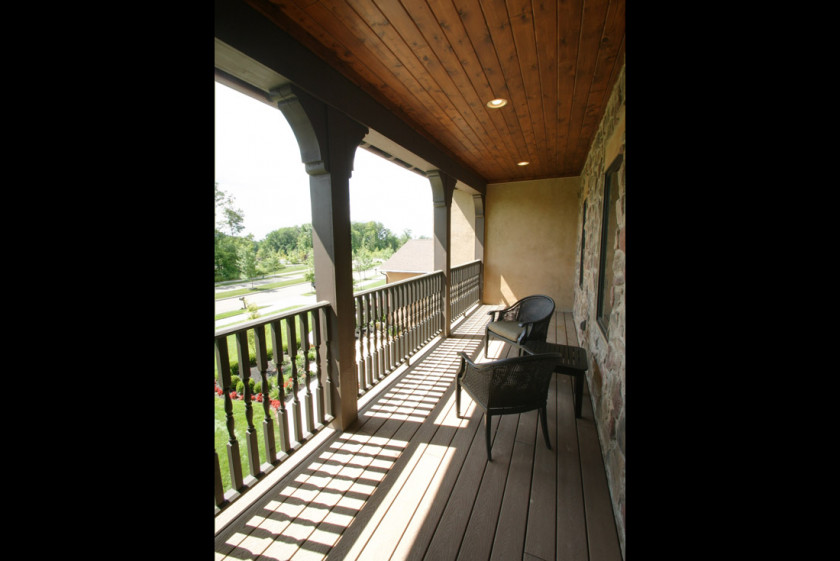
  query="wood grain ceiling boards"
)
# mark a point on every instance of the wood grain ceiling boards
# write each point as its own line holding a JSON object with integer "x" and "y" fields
{"x": 436, "y": 63}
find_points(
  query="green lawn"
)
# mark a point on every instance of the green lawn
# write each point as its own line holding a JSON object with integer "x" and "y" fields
{"x": 233, "y": 354}
{"x": 261, "y": 288}
{"x": 230, "y": 314}
{"x": 240, "y": 431}
{"x": 241, "y": 424}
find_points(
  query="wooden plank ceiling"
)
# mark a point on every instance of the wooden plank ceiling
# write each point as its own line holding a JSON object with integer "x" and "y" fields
{"x": 436, "y": 64}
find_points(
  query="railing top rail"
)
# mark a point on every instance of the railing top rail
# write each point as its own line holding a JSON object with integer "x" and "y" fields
{"x": 268, "y": 319}
{"x": 466, "y": 264}
{"x": 393, "y": 284}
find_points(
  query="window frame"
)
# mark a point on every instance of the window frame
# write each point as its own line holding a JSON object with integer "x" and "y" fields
{"x": 582, "y": 244}
{"x": 610, "y": 181}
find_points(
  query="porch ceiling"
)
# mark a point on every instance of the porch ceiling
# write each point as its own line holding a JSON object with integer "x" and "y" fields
{"x": 436, "y": 63}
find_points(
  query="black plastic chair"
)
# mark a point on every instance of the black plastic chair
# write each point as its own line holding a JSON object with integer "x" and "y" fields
{"x": 507, "y": 386}
{"x": 526, "y": 320}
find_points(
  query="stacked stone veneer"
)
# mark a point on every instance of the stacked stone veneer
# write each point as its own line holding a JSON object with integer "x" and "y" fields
{"x": 606, "y": 376}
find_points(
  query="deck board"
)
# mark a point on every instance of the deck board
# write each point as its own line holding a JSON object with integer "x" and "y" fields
{"x": 600, "y": 521}
{"x": 411, "y": 479}
{"x": 542, "y": 511}
{"x": 477, "y": 542}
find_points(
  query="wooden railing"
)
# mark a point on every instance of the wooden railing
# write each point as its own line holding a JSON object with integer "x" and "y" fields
{"x": 393, "y": 322}
{"x": 465, "y": 288}
{"x": 302, "y": 407}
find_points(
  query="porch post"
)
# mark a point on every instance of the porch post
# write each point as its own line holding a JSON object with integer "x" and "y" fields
{"x": 328, "y": 140}
{"x": 443, "y": 186}
{"x": 478, "y": 201}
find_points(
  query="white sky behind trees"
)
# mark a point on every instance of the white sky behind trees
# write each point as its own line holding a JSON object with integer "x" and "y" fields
{"x": 258, "y": 163}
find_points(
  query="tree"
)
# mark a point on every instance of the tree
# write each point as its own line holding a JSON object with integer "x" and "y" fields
{"x": 225, "y": 257}
{"x": 363, "y": 259}
{"x": 247, "y": 260}
{"x": 268, "y": 260}
{"x": 372, "y": 235}
{"x": 295, "y": 242}
{"x": 309, "y": 275}
{"x": 229, "y": 223}
{"x": 228, "y": 217}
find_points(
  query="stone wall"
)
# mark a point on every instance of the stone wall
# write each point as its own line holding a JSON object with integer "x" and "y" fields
{"x": 606, "y": 377}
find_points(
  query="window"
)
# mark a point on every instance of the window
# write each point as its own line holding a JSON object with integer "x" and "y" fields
{"x": 609, "y": 228}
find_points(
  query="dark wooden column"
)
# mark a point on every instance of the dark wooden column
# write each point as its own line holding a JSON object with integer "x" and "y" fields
{"x": 478, "y": 201}
{"x": 443, "y": 186}
{"x": 328, "y": 140}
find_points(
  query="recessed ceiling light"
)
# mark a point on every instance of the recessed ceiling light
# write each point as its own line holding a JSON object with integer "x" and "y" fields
{"x": 496, "y": 103}
{"x": 523, "y": 163}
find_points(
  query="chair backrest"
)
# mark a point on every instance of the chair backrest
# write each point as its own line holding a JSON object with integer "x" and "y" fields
{"x": 535, "y": 308}
{"x": 517, "y": 383}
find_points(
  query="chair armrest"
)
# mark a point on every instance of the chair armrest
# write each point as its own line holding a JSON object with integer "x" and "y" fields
{"x": 464, "y": 361}
{"x": 528, "y": 325}
{"x": 497, "y": 314}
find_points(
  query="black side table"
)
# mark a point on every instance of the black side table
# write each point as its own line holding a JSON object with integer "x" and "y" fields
{"x": 572, "y": 361}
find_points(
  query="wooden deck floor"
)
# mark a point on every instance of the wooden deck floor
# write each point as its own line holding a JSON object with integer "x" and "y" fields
{"x": 411, "y": 480}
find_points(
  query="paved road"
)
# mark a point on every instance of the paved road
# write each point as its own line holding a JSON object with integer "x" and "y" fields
{"x": 275, "y": 299}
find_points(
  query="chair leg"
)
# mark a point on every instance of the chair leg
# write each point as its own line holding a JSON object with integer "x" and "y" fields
{"x": 486, "y": 341}
{"x": 458, "y": 398}
{"x": 544, "y": 420}
{"x": 487, "y": 423}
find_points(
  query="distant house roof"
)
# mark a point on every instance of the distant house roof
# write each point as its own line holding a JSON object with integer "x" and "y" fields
{"x": 415, "y": 256}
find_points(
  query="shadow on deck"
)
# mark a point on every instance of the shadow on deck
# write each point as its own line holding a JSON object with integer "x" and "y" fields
{"x": 411, "y": 480}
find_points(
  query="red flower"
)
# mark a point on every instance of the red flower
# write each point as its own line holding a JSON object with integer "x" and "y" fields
{"x": 219, "y": 391}
{"x": 233, "y": 395}
{"x": 259, "y": 397}
{"x": 275, "y": 403}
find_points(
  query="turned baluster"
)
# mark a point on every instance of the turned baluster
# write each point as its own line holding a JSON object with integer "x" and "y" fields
{"x": 245, "y": 376}
{"x": 399, "y": 333}
{"x": 304, "y": 339}
{"x": 282, "y": 414}
{"x": 426, "y": 306}
{"x": 389, "y": 337}
{"x": 223, "y": 367}
{"x": 412, "y": 307}
{"x": 327, "y": 374}
{"x": 379, "y": 325}
{"x": 319, "y": 386}
{"x": 360, "y": 357}
{"x": 292, "y": 348}
{"x": 268, "y": 423}
{"x": 368, "y": 342}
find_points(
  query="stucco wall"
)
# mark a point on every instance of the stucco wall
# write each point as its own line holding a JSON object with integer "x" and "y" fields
{"x": 606, "y": 375}
{"x": 462, "y": 229}
{"x": 531, "y": 231}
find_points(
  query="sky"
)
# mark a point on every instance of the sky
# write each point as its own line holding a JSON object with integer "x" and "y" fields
{"x": 258, "y": 163}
